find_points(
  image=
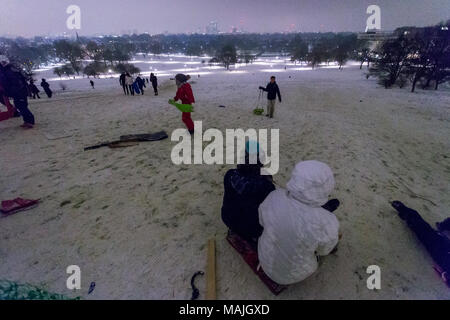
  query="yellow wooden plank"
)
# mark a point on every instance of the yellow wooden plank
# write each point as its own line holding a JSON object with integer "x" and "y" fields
{"x": 211, "y": 271}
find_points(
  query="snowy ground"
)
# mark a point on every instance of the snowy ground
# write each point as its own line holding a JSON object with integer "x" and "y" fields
{"x": 138, "y": 225}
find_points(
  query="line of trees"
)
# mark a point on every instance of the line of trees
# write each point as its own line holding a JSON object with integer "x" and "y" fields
{"x": 416, "y": 55}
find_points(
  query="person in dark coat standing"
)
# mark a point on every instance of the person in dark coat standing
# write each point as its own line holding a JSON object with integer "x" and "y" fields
{"x": 15, "y": 86}
{"x": 154, "y": 81}
{"x": 34, "y": 90}
{"x": 46, "y": 86}
{"x": 92, "y": 84}
{"x": 245, "y": 190}
{"x": 141, "y": 84}
{"x": 272, "y": 92}
{"x": 123, "y": 83}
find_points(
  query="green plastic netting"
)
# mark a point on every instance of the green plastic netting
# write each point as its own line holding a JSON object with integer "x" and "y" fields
{"x": 10, "y": 290}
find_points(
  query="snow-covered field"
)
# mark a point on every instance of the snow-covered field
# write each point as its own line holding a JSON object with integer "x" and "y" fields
{"x": 138, "y": 225}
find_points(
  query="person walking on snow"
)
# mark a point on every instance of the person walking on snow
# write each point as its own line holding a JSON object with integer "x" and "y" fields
{"x": 15, "y": 86}
{"x": 46, "y": 86}
{"x": 272, "y": 90}
{"x": 122, "y": 81}
{"x": 141, "y": 84}
{"x": 154, "y": 81}
{"x": 129, "y": 82}
{"x": 184, "y": 93}
{"x": 34, "y": 90}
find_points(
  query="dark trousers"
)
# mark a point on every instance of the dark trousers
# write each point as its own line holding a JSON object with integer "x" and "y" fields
{"x": 155, "y": 89}
{"x": 131, "y": 89}
{"x": 21, "y": 103}
{"x": 125, "y": 89}
{"x": 36, "y": 95}
{"x": 437, "y": 245}
{"x": 142, "y": 90}
{"x": 49, "y": 93}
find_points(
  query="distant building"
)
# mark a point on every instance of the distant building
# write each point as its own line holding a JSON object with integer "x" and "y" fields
{"x": 212, "y": 28}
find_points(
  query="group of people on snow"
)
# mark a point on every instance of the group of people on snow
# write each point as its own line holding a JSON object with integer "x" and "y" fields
{"x": 132, "y": 86}
{"x": 289, "y": 228}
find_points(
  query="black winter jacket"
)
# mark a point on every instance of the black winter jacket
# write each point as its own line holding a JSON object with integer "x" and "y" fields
{"x": 244, "y": 192}
{"x": 272, "y": 91}
{"x": 13, "y": 82}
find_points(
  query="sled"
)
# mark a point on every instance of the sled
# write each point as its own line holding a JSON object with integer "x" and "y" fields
{"x": 250, "y": 256}
{"x": 130, "y": 140}
{"x": 5, "y": 115}
{"x": 10, "y": 207}
{"x": 258, "y": 111}
{"x": 145, "y": 136}
{"x": 182, "y": 107}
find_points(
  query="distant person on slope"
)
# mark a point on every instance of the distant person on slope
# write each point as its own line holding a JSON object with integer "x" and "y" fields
{"x": 34, "y": 90}
{"x": 15, "y": 86}
{"x": 184, "y": 93}
{"x": 46, "y": 86}
{"x": 154, "y": 81}
{"x": 141, "y": 84}
{"x": 129, "y": 82}
{"x": 92, "y": 84}
{"x": 272, "y": 92}
{"x": 122, "y": 81}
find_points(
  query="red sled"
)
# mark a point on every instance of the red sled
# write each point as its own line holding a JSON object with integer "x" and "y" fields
{"x": 249, "y": 254}
{"x": 9, "y": 207}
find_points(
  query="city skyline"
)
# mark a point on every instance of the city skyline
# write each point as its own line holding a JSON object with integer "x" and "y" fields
{"x": 28, "y": 18}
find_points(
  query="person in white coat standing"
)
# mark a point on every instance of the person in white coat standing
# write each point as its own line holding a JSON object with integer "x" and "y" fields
{"x": 298, "y": 225}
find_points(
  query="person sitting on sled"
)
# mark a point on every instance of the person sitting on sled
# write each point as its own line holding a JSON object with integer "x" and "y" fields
{"x": 298, "y": 225}
{"x": 245, "y": 190}
{"x": 437, "y": 243}
{"x": 184, "y": 93}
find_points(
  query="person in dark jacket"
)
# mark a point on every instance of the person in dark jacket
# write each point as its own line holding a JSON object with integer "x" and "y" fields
{"x": 123, "y": 83}
{"x": 245, "y": 190}
{"x": 154, "y": 81}
{"x": 141, "y": 84}
{"x": 46, "y": 86}
{"x": 272, "y": 90}
{"x": 15, "y": 86}
{"x": 437, "y": 243}
{"x": 92, "y": 84}
{"x": 34, "y": 90}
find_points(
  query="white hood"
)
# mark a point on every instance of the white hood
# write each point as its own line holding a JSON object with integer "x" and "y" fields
{"x": 311, "y": 183}
{"x": 296, "y": 228}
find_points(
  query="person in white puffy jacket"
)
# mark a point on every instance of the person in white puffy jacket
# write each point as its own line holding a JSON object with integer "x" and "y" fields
{"x": 298, "y": 225}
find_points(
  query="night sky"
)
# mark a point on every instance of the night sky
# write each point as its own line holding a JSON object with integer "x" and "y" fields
{"x": 48, "y": 17}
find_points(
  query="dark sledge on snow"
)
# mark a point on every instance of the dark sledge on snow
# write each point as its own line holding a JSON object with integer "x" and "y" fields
{"x": 249, "y": 254}
{"x": 131, "y": 140}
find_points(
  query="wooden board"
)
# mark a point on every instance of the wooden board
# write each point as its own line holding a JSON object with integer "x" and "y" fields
{"x": 211, "y": 271}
